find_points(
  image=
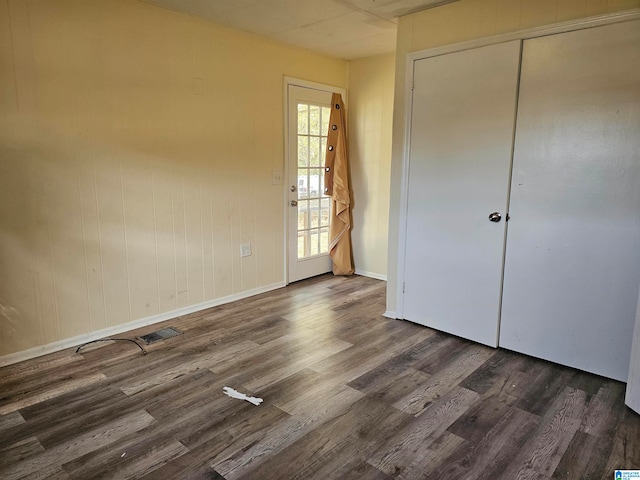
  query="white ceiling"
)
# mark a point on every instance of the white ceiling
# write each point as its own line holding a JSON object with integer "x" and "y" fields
{"x": 347, "y": 29}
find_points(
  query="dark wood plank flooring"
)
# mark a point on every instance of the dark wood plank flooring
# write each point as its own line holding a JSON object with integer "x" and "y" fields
{"x": 348, "y": 394}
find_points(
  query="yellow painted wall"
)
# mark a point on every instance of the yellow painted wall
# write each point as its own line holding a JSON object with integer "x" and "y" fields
{"x": 136, "y": 154}
{"x": 457, "y": 22}
{"x": 370, "y": 124}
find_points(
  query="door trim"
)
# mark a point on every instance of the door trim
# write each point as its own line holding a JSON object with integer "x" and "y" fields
{"x": 562, "y": 27}
{"x": 285, "y": 174}
{"x": 412, "y": 57}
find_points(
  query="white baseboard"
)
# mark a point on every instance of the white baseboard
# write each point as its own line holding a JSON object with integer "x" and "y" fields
{"x": 125, "y": 327}
{"x": 377, "y": 276}
{"x": 390, "y": 314}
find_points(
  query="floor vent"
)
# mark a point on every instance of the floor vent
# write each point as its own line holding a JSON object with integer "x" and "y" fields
{"x": 160, "y": 335}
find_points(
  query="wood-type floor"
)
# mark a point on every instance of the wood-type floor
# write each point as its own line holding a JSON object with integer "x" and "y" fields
{"x": 348, "y": 394}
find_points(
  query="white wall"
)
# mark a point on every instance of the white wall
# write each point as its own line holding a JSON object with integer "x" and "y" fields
{"x": 370, "y": 113}
{"x": 137, "y": 147}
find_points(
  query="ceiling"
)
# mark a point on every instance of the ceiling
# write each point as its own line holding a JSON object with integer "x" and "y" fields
{"x": 347, "y": 29}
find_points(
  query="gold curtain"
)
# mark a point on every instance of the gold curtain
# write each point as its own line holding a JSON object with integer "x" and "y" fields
{"x": 336, "y": 182}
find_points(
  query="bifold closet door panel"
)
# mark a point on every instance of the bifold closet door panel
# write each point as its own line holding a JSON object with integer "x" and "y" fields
{"x": 572, "y": 267}
{"x": 632, "y": 396}
{"x": 463, "y": 114}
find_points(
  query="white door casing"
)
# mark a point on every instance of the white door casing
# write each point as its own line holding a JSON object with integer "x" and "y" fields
{"x": 572, "y": 268}
{"x": 463, "y": 113}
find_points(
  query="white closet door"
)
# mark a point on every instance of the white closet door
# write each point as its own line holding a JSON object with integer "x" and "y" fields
{"x": 572, "y": 267}
{"x": 461, "y": 139}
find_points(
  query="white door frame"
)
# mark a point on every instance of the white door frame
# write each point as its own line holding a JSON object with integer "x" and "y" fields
{"x": 411, "y": 58}
{"x": 285, "y": 191}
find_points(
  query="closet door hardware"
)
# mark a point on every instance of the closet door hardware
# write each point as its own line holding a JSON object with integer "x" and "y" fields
{"x": 495, "y": 217}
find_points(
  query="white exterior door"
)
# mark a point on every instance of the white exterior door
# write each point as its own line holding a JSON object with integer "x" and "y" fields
{"x": 463, "y": 114}
{"x": 572, "y": 268}
{"x": 308, "y": 208}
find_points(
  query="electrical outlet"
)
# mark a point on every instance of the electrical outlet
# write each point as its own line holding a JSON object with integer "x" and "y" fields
{"x": 276, "y": 177}
{"x": 245, "y": 249}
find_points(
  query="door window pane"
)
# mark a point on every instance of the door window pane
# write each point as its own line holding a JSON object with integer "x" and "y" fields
{"x": 314, "y": 213}
{"x": 303, "y": 214}
{"x": 314, "y": 182}
{"x": 303, "y": 118}
{"x": 303, "y": 151}
{"x": 323, "y": 151}
{"x": 324, "y": 240}
{"x": 314, "y": 242}
{"x": 303, "y": 244}
{"x": 314, "y": 120}
{"x": 326, "y": 112}
{"x": 324, "y": 212}
{"x": 314, "y": 207}
{"x": 314, "y": 151}
{"x": 303, "y": 183}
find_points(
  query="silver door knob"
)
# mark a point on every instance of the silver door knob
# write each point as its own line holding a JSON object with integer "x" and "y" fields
{"x": 294, "y": 203}
{"x": 495, "y": 217}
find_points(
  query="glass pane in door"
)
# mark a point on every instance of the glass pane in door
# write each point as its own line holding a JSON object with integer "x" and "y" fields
{"x": 314, "y": 212}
